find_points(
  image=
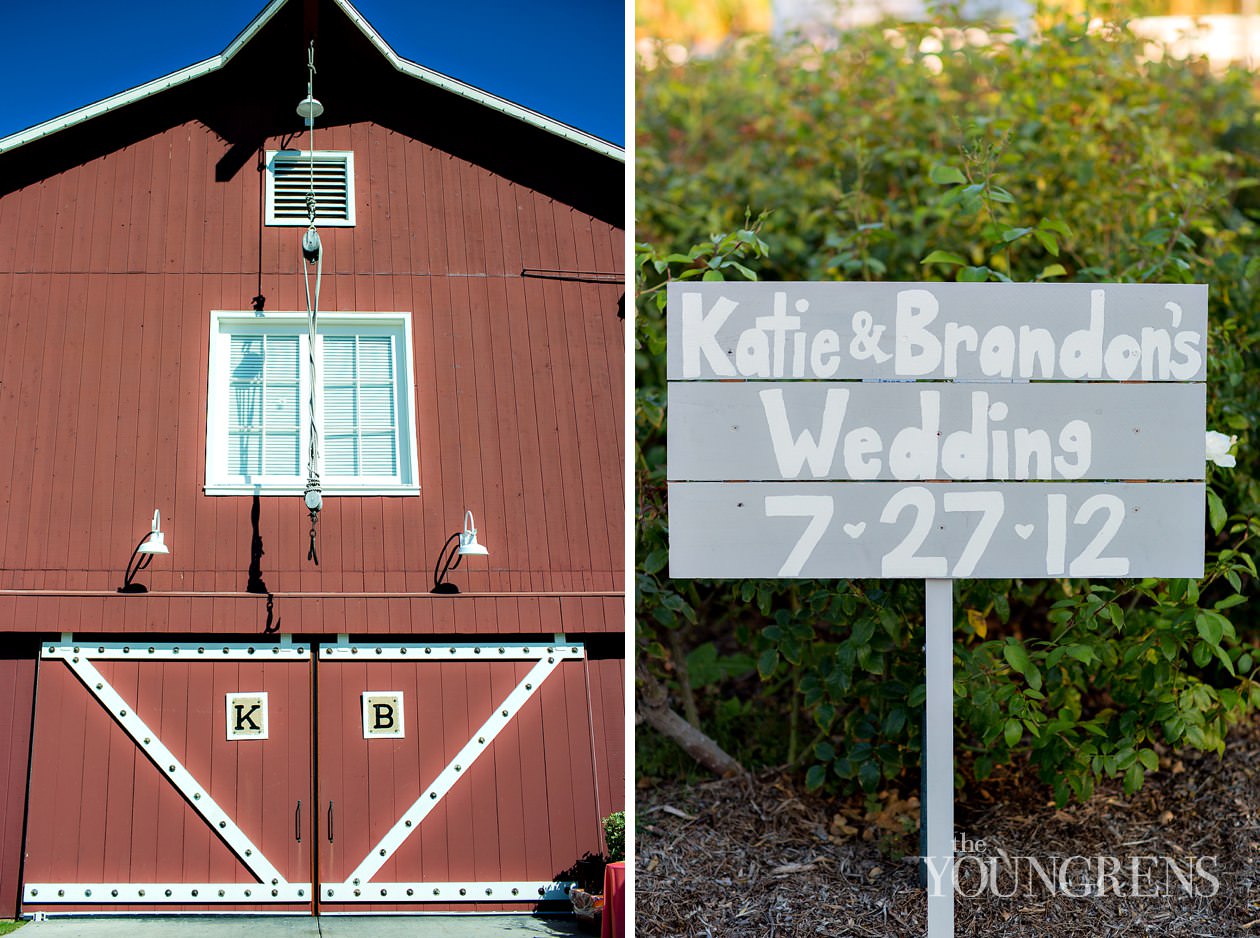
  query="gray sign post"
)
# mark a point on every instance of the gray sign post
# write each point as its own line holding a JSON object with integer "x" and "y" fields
{"x": 936, "y": 431}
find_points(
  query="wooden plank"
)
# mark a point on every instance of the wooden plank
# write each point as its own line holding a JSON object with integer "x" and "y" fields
{"x": 507, "y": 793}
{"x": 28, "y": 307}
{"x": 69, "y": 293}
{"x": 562, "y": 798}
{"x": 532, "y": 540}
{"x": 845, "y": 430}
{"x": 454, "y": 223}
{"x": 10, "y": 207}
{"x": 475, "y": 389}
{"x": 141, "y": 230}
{"x": 25, "y": 259}
{"x": 59, "y": 769}
{"x": 17, "y": 705}
{"x": 535, "y": 792}
{"x": 43, "y": 490}
{"x": 63, "y": 208}
{"x": 608, "y": 696}
{"x": 837, "y": 331}
{"x": 965, "y": 529}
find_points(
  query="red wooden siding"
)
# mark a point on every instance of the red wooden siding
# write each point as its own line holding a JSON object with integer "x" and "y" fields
{"x": 607, "y": 688}
{"x": 17, "y": 697}
{"x": 103, "y": 369}
{"x": 101, "y": 811}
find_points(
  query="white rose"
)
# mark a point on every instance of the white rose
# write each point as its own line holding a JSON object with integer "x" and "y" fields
{"x": 1218, "y": 446}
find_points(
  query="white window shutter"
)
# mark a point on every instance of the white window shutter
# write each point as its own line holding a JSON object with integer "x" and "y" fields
{"x": 263, "y": 415}
{"x": 360, "y": 423}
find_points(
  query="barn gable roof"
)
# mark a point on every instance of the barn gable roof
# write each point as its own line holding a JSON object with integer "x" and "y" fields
{"x": 215, "y": 63}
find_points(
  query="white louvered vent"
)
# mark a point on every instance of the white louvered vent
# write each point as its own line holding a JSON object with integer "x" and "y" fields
{"x": 289, "y": 179}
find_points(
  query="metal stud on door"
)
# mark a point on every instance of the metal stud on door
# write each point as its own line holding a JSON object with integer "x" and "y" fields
{"x": 464, "y": 775}
{"x": 178, "y": 810}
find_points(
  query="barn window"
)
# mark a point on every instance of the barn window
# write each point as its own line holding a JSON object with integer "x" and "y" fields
{"x": 259, "y": 403}
{"x": 291, "y": 174}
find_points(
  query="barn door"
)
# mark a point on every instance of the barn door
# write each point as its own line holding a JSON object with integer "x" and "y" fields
{"x": 169, "y": 776}
{"x": 459, "y": 776}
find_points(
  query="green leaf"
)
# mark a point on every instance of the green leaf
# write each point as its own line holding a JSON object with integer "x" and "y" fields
{"x": 1209, "y": 627}
{"x": 712, "y": 275}
{"x": 1052, "y": 270}
{"x": 946, "y": 175}
{"x": 656, "y": 560}
{"x": 768, "y": 661}
{"x": 944, "y": 257}
{"x": 1201, "y": 653}
{"x": 1048, "y": 241}
{"x": 1148, "y": 758}
{"x": 1217, "y": 515}
{"x": 815, "y": 777}
{"x": 1016, "y": 657}
{"x": 1223, "y": 657}
{"x": 1052, "y": 224}
{"x": 1013, "y": 732}
{"x": 973, "y": 275}
{"x": 868, "y": 775}
{"x": 1082, "y": 653}
{"x": 1133, "y": 779}
{"x": 1014, "y": 234}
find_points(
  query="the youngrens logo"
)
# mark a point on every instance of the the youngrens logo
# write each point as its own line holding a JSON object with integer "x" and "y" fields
{"x": 976, "y": 872}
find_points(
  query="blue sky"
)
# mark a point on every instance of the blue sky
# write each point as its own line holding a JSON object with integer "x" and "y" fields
{"x": 564, "y": 58}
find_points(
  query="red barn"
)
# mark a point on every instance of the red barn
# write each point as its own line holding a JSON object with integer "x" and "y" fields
{"x": 280, "y": 713}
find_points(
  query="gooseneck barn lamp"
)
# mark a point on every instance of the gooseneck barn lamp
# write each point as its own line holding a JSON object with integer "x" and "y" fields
{"x": 152, "y": 543}
{"x": 459, "y": 545}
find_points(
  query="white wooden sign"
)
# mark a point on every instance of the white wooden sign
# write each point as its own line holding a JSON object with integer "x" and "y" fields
{"x": 936, "y": 431}
{"x": 993, "y": 430}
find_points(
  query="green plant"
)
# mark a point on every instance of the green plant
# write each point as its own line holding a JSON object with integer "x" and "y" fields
{"x": 917, "y": 152}
{"x": 615, "y": 836}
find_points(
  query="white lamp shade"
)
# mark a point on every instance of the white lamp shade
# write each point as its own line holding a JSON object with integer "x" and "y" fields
{"x": 468, "y": 539}
{"x": 309, "y": 108}
{"x": 156, "y": 544}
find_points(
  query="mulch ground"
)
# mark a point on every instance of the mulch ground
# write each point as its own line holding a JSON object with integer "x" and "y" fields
{"x": 759, "y": 856}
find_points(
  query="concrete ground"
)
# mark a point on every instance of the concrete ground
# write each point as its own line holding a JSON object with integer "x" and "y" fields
{"x": 304, "y": 926}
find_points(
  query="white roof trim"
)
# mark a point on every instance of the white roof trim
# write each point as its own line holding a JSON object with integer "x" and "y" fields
{"x": 214, "y": 63}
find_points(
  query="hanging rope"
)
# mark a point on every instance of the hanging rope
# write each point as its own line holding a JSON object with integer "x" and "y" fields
{"x": 312, "y": 253}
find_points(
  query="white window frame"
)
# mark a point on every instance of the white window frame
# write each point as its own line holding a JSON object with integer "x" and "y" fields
{"x": 269, "y": 190}
{"x": 225, "y": 323}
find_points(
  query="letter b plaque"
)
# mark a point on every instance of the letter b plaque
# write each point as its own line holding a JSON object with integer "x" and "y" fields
{"x": 383, "y": 714}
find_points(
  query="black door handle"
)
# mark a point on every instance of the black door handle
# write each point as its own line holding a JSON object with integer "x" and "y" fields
{"x": 330, "y": 822}
{"x": 297, "y": 822}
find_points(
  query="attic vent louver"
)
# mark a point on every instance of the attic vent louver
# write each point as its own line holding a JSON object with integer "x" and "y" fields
{"x": 289, "y": 178}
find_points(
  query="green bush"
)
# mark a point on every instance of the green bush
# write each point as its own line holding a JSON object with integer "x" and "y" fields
{"x": 615, "y": 836}
{"x": 1070, "y": 156}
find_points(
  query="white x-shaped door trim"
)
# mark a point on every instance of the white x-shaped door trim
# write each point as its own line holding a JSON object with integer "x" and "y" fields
{"x": 358, "y": 886}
